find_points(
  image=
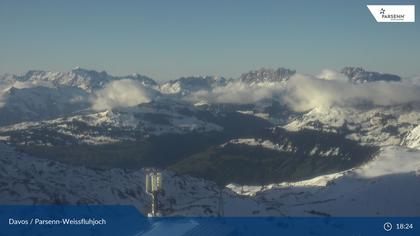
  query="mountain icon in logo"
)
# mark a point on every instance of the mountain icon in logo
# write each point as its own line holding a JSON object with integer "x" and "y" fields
{"x": 382, "y": 11}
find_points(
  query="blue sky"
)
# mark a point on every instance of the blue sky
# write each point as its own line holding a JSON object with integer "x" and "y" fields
{"x": 169, "y": 39}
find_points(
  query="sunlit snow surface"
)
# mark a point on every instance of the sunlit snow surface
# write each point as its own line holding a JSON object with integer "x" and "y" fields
{"x": 380, "y": 126}
{"x": 388, "y": 185}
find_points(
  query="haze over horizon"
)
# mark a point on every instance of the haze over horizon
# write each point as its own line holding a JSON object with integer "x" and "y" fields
{"x": 167, "y": 40}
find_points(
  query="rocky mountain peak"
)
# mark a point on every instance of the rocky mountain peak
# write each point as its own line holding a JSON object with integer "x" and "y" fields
{"x": 360, "y": 75}
{"x": 267, "y": 75}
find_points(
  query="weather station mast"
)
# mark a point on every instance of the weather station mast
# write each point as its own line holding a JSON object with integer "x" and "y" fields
{"x": 153, "y": 188}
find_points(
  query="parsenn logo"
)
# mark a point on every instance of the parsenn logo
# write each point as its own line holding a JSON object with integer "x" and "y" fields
{"x": 382, "y": 11}
{"x": 393, "y": 13}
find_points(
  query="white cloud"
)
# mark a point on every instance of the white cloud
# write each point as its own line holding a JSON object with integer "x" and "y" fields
{"x": 328, "y": 74}
{"x": 120, "y": 93}
{"x": 238, "y": 92}
{"x": 304, "y": 92}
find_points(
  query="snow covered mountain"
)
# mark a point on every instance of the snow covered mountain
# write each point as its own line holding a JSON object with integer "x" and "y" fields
{"x": 186, "y": 85}
{"x": 380, "y": 126}
{"x": 23, "y": 95}
{"x": 39, "y": 95}
{"x": 38, "y": 103}
{"x": 111, "y": 126}
{"x": 87, "y": 80}
{"x": 241, "y": 146}
{"x": 264, "y": 75}
{"x": 359, "y": 75}
{"x": 412, "y": 139}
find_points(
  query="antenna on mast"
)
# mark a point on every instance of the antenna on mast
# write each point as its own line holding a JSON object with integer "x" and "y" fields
{"x": 153, "y": 187}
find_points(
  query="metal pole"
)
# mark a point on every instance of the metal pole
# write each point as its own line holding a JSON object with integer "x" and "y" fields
{"x": 154, "y": 203}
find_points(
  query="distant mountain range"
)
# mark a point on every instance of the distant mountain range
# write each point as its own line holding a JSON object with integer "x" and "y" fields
{"x": 39, "y": 95}
{"x": 90, "y": 80}
{"x": 85, "y": 79}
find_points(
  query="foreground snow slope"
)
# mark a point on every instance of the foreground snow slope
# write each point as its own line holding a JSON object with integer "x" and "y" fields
{"x": 28, "y": 180}
{"x": 388, "y": 186}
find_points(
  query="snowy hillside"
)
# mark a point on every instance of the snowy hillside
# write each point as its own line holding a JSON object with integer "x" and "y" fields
{"x": 28, "y": 180}
{"x": 186, "y": 85}
{"x": 39, "y": 103}
{"x": 384, "y": 186}
{"x": 412, "y": 139}
{"x": 110, "y": 126}
{"x": 377, "y": 126}
{"x": 359, "y": 75}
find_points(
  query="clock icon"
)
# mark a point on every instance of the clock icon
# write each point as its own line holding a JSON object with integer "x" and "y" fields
{"x": 387, "y": 226}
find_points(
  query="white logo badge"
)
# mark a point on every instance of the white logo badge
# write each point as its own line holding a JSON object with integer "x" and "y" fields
{"x": 393, "y": 13}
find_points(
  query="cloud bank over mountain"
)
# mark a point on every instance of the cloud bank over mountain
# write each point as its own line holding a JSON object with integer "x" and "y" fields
{"x": 304, "y": 92}
{"x": 237, "y": 92}
{"x": 120, "y": 93}
{"x": 350, "y": 86}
